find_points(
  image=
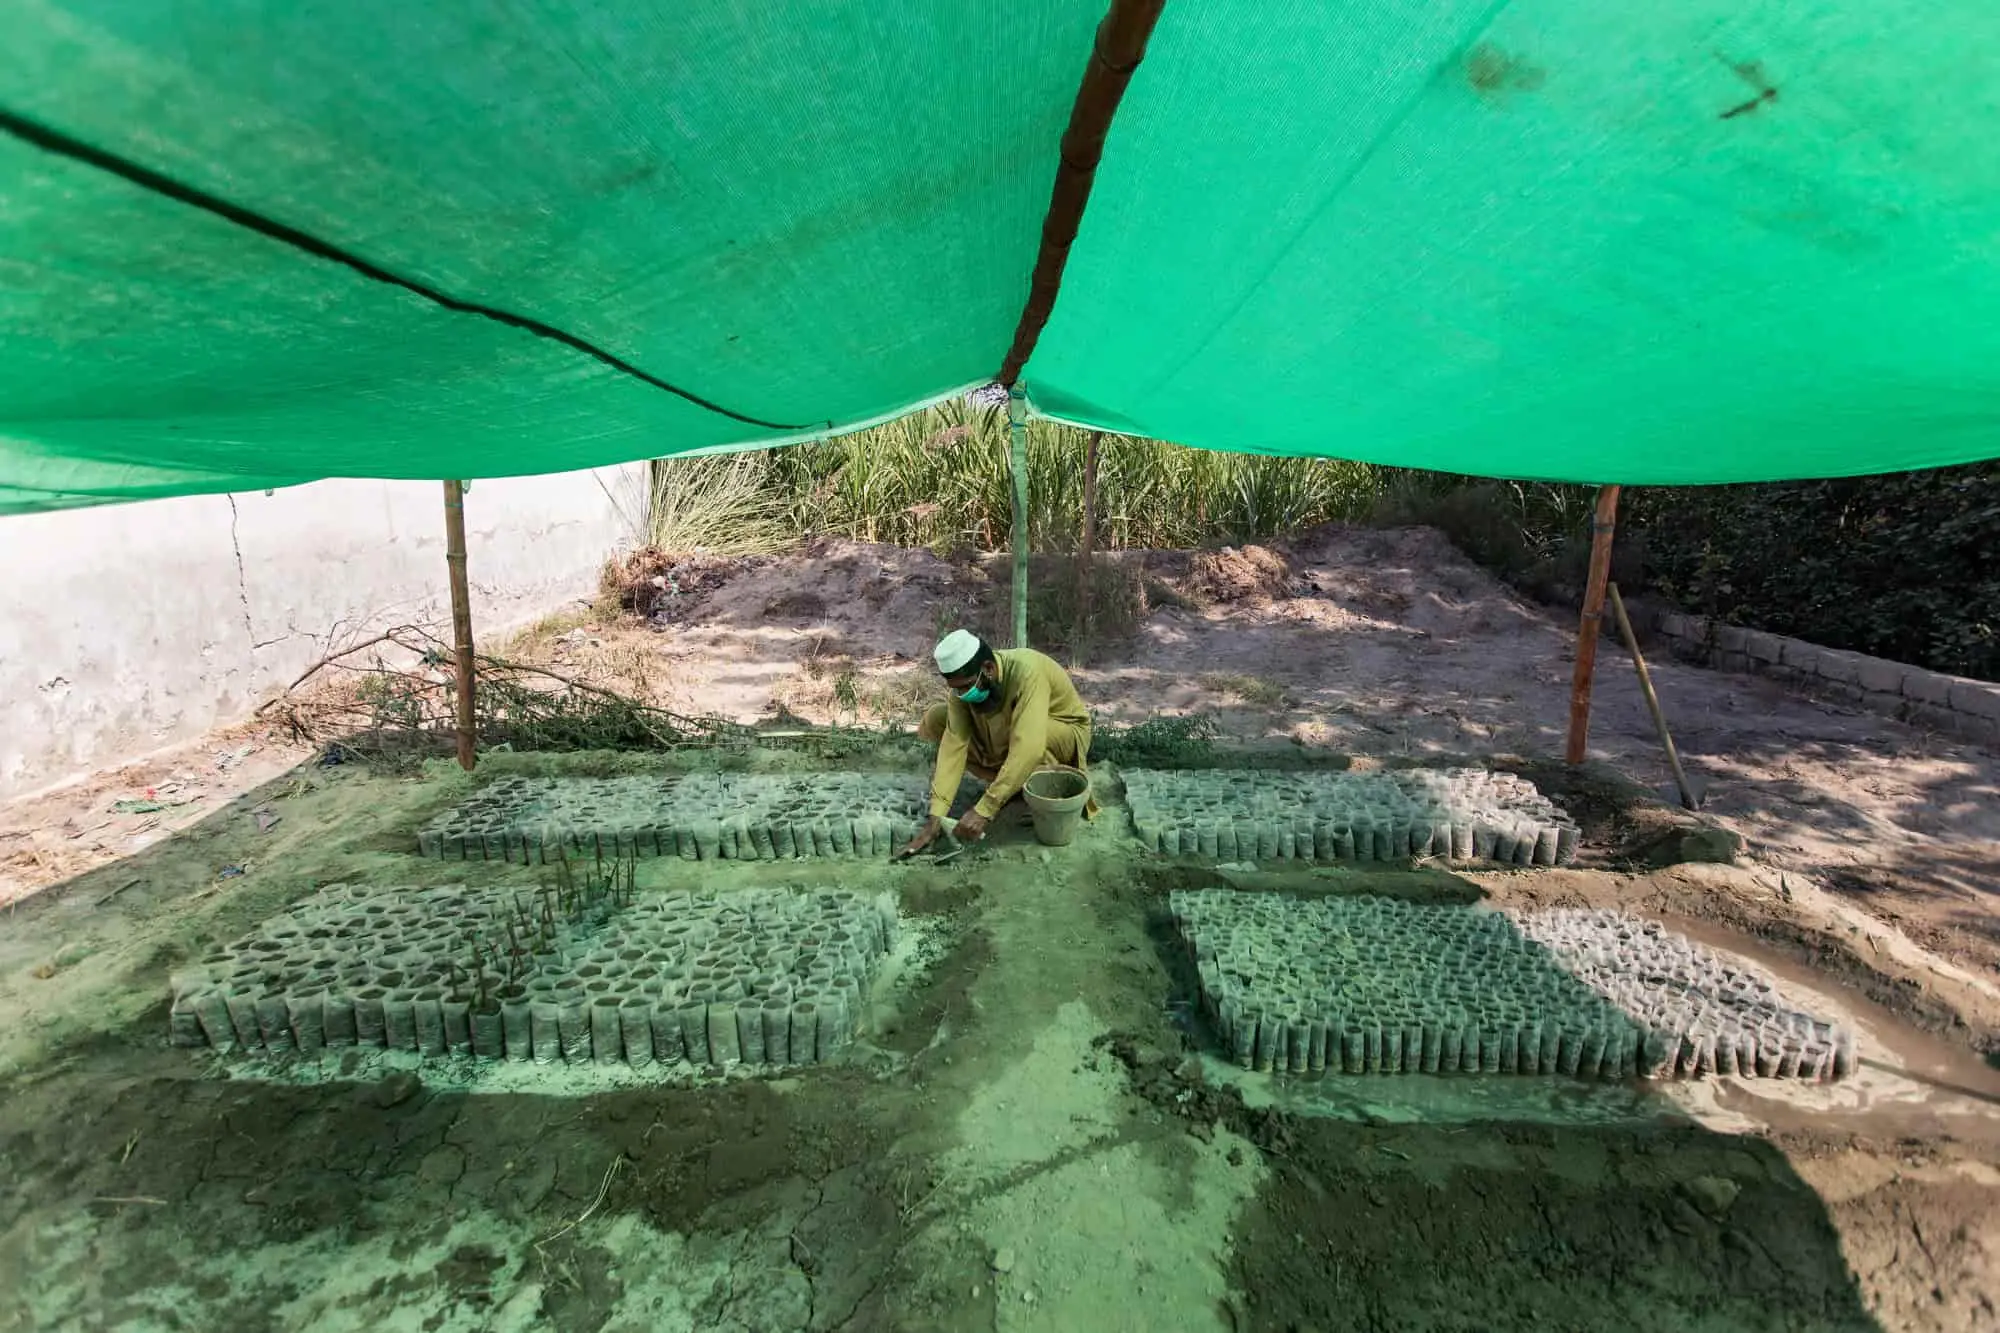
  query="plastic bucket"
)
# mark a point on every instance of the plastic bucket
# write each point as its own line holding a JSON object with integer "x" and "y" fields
{"x": 1056, "y": 797}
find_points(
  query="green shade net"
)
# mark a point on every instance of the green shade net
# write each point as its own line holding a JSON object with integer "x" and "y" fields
{"x": 1684, "y": 242}
{"x": 1527, "y": 240}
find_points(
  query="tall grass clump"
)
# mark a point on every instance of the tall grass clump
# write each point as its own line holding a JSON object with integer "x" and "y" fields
{"x": 716, "y": 504}
{"x": 939, "y": 478}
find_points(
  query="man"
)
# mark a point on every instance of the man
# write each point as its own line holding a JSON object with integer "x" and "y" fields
{"x": 1011, "y": 712}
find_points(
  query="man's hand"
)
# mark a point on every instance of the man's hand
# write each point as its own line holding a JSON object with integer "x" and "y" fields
{"x": 932, "y": 830}
{"x": 971, "y": 826}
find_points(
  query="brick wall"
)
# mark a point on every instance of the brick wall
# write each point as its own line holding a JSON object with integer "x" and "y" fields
{"x": 1967, "y": 709}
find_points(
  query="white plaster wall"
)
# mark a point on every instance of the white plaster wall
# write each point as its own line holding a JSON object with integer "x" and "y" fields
{"x": 127, "y": 628}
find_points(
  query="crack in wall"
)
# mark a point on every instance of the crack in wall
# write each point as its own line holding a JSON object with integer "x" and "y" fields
{"x": 242, "y": 578}
{"x": 243, "y": 586}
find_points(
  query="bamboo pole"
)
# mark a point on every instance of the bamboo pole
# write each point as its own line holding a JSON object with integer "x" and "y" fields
{"x": 1603, "y": 524}
{"x": 1089, "y": 542}
{"x": 1017, "y": 463}
{"x": 461, "y": 616}
{"x": 1688, "y": 800}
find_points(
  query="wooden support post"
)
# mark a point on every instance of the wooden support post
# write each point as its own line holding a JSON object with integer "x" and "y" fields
{"x": 461, "y": 616}
{"x": 1689, "y": 800}
{"x": 1017, "y": 464}
{"x": 1088, "y": 544}
{"x": 1602, "y": 526}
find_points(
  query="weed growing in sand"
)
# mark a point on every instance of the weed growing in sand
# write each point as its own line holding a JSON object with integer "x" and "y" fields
{"x": 1252, "y": 690}
{"x": 846, "y": 698}
{"x": 1059, "y": 622}
{"x": 540, "y": 637}
{"x": 846, "y": 694}
{"x": 1158, "y": 742}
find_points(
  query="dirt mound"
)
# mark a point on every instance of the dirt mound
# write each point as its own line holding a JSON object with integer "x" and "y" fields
{"x": 1239, "y": 574}
{"x": 664, "y": 587}
{"x": 1414, "y": 577}
{"x": 867, "y": 598}
{"x": 855, "y": 597}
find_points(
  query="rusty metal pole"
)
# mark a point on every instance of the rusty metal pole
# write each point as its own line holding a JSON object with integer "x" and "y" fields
{"x": 461, "y": 616}
{"x": 1603, "y": 524}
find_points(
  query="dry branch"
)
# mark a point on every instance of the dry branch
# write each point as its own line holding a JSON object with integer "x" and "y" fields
{"x": 331, "y": 659}
{"x": 372, "y": 705}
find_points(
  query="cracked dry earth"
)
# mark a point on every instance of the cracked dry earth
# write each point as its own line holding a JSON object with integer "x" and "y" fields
{"x": 1031, "y": 1138}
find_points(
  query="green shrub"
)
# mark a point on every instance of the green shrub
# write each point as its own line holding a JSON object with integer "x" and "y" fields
{"x": 1905, "y": 566}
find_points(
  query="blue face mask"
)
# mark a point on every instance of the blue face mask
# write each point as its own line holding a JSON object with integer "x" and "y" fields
{"x": 978, "y": 694}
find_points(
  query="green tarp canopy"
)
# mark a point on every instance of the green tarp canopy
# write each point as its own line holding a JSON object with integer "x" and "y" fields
{"x": 1673, "y": 242}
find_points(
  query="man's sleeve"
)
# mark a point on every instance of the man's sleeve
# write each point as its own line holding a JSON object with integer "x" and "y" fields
{"x": 952, "y": 749}
{"x": 1026, "y": 744}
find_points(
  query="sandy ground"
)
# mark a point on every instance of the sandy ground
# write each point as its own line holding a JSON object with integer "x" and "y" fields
{"x": 1034, "y": 1138}
{"x": 52, "y": 838}
{"x": 1367, "y": 641}
{"x": 1385, "y": 643}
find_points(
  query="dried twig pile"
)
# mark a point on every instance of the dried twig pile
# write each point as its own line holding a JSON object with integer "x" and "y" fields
{"x": 392, "y": 694}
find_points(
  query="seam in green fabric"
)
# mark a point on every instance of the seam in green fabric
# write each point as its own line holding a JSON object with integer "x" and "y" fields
{"x": 63, "y": 145}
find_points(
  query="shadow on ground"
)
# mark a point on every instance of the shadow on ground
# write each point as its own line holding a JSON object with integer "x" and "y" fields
{"x": 144, "y": 1188}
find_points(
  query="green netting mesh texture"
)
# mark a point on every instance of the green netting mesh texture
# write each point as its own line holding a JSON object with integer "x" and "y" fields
{"x": 1695, "y": 240}
{"x": 813, "y": 212}
{"x": 1682, "y": 241}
